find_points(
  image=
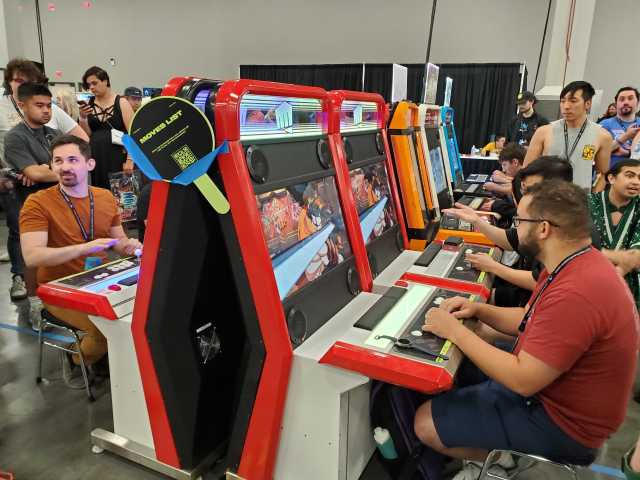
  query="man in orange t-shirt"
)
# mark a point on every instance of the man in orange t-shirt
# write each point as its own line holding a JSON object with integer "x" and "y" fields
{"x": 63, "y": 226}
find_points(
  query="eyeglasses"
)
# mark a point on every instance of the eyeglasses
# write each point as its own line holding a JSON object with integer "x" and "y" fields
{"x": 518, "y": 220}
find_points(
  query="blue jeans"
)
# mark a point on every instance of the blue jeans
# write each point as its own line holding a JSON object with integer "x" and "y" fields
{"x": 11, "y": 207}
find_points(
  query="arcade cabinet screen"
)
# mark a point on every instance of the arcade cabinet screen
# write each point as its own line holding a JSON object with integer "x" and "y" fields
{"x": 264, "y": 116}
{"x": 373, "y": 199}
{"x": 437, "y": 167}
{"x": 305, "y": 233}
{"x": 358, "y": 116}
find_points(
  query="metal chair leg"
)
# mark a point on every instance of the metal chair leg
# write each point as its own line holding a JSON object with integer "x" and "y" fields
{"x": 40, "y": 347}
{"x": 494, "y": 455}
{"x": 83, "y": 368}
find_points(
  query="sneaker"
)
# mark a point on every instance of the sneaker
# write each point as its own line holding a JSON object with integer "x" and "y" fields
{"x": 471, "y": 471}
{"x": 18, "y": 290}
{"x": 4, "y": 257}
{"x": 35, "y": 313}
{"x": 71, "y": 373}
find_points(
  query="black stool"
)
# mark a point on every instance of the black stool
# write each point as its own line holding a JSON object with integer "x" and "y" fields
{"x": 51, "y": 322}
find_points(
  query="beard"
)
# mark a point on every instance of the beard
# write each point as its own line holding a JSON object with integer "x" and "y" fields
{"x": 69, "y": 180}
{"x": 529, "y": 247}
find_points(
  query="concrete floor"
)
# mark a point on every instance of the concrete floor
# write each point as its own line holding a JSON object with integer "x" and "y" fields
{"x": 44, "y": 429}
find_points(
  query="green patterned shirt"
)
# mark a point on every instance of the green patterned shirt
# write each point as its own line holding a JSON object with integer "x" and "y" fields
{"x": 624, "y": 236}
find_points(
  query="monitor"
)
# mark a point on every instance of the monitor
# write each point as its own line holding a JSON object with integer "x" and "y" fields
{"x": 372, "y": 193}
{"x": 305, "y": 232}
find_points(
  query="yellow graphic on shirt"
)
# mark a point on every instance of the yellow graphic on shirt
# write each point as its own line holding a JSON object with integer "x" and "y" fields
{"x": 589, "y": 152}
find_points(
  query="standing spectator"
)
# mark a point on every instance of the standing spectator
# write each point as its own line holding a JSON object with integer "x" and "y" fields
{"x": 27, "y": 151}
{"x": 574, "y": 137}
{"x": 624, "y": 126}
{"x": 105, "y": 112}
{"x": 524, "y": 125}
{"x": 17, "y": 72}
{"x": 134, "y": 97}
{"x": 67, "y": 101}
{"x": 611, "y": 112}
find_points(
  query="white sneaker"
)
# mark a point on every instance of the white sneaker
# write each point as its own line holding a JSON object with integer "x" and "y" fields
{"x": 18, "y": 290}
{"x": 71, "y": 373}
{"x": 4, "y": 257}
{"x": 35, "y": 313}
{"x": 471, "y": 471}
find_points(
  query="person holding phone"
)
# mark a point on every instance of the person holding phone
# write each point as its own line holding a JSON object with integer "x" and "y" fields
{"x": 105, "y": 117}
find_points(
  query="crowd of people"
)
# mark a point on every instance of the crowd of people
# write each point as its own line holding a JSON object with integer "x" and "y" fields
{"x": 556, "y": 347}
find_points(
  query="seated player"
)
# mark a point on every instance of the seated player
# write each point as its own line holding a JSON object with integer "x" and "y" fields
{"x": 494, "y": 147}
{"x": 511, "y": 159}
{"x": 520, "y": 280}
{"x": 616, "y": 215}
{"x": 564, "y": 388}
{"x": 67, "y": 227}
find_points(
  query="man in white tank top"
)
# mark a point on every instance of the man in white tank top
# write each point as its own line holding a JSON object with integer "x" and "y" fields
{"x": 575, "y": 137}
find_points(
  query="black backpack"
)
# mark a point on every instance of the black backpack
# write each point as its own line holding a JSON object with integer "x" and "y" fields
{"x": 394, "y": 408}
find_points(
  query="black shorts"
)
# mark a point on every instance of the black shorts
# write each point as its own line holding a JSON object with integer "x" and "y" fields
{"x": 490, "y": 416}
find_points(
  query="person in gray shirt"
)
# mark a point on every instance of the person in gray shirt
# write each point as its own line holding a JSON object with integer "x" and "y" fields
{"x": 26, "y": 150}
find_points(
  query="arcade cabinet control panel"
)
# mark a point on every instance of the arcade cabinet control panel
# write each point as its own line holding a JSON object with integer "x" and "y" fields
{"x": 448, "y": 260}
{"x": 108, "y": 290}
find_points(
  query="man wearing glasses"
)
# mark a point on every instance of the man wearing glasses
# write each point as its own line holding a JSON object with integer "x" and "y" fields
{"x": 26, "y": 150}
{"x": 563, "y": 389}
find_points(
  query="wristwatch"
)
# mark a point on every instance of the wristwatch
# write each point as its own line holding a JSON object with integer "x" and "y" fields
{"x": 629, "y": 472}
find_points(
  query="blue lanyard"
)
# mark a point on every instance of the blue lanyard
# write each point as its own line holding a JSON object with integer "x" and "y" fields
{"x": 87, "y": 236}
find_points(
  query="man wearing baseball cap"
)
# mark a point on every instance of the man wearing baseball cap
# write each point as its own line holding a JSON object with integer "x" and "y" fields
{"x": 523, "y": 126}
{"x": 134, "y": 97}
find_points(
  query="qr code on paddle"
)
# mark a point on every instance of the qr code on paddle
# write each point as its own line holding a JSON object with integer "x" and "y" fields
{"x": 184, "y": 157}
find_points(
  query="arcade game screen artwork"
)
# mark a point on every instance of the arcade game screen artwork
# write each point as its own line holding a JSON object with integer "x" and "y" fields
{"x": 305, "y": 233}
{"x": 373, "y": 200}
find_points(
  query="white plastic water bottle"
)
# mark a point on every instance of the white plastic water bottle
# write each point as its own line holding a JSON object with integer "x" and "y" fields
{"x": 385, "y": 443}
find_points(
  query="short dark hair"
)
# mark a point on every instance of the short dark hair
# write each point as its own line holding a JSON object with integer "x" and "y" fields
{"x": 624, "y": 89}
{"x": 28, "y": 90}
{"x": 565, "y": 205}
{"x": 26, "y": 68}
{"x": 549, "y": 167}
{"x": 512, "y": 151}
{"x": 99, "y": 73}
{"x": 617, "y": 168}
{"x": 68, "y": 139}
{"x": 587, "y": 89}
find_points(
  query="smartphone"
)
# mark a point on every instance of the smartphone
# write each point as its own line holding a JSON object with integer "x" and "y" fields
{"x": 83, "y": 98}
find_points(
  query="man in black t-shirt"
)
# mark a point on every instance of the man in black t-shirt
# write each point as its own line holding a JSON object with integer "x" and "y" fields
{"x": 524, "y": 125}
{"x": 514, "y": 283}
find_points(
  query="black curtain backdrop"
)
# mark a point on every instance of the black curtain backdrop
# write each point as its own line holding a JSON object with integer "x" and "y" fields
{"x": 378, "y": 78}
{"x": 329, "y": 77}
{"x": 483, "y": 96}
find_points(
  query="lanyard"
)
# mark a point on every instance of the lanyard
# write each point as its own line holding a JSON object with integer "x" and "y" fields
{"x": 575, "y": 143}
{"x": 87, "y": 237}
{"x": 547, "y": 282}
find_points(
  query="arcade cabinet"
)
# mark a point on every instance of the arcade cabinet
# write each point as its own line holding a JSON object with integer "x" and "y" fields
{"x": 451, "y": 142}
{"x": 412, "y": 175}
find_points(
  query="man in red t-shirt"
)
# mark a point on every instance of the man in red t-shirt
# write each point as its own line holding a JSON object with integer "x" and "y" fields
{"x": 564, "y": 389}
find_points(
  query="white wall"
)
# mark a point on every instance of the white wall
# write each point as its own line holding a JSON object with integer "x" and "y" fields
{"x": 153, "y": 40}
{"x": 613, "y": 59}
{"x": 4, "y": 51}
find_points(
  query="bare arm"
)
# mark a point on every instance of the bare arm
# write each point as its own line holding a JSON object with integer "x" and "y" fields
{"x": 36, "y": 253}
{"x": 495, "y": 234}
{"x": 602, "y": 160}
{"x": 79, "y": 132}
{"x": 505, "y": 320}
{"x": 125, "y": 245}
{"x": 40, "y": 174}
{"x": 519, "y": 278}
{"x": 127, "y": 112}
{"x": 536, "y": 147}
